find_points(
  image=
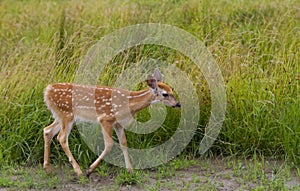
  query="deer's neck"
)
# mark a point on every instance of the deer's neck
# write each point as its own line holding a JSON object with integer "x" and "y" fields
{"x": 139, "y": 100}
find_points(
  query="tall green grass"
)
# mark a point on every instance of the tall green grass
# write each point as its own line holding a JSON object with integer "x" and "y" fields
{"x": 256, "y": 45}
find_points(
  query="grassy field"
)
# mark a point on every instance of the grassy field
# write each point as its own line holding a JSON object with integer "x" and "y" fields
{"x": 255, "y": 43}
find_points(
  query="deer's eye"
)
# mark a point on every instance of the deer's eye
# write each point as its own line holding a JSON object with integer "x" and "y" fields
{"x": 165, "y": 94}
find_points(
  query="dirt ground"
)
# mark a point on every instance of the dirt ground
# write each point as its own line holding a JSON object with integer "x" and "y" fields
{"x": 223, "y": 175}
{"x": 219, "y": 177}
{"x": 223, "y": 180}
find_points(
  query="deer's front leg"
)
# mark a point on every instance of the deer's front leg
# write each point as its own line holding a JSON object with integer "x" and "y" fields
{"x": 123, "y": 143}
{"x": 108, "y": 143}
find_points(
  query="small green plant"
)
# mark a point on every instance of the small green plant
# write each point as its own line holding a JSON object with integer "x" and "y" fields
{"x": 125, "y": 178}
{"x": 182, "y": 163}
{"x": 103, "y": 170}
{"x": 165, "y": 171}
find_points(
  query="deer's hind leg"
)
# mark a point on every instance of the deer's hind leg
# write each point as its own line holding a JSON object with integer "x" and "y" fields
{"x": 62, "y": 137}
{"x": 49, "y": 133}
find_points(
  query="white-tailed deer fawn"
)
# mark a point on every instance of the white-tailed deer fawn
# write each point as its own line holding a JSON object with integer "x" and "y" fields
{"x": 105, "y": 105}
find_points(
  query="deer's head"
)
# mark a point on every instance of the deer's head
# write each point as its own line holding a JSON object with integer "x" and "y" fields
{"x": 163, "y": 93}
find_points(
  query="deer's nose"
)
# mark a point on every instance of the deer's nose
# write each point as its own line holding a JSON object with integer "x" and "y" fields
{"x": 177, "y": 105}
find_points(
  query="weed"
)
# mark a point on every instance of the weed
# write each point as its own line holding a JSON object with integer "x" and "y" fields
{"x": 125, "y": 178}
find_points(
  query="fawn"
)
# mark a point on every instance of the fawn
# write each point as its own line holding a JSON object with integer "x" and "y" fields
{"x": 111, "y": 107}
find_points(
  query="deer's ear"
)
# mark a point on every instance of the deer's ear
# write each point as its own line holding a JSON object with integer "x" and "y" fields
{"x": 157, "y": 75}
{"x": 152, "y": 82}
